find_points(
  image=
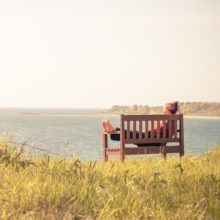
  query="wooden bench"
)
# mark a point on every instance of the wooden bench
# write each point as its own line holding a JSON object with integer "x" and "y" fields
{"x": 169, "y": 136}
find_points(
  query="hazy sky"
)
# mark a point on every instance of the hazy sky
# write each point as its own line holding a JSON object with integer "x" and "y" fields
{"x": 98, "y": 53}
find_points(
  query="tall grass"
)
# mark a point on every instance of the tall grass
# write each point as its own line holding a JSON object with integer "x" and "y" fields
{"x": 43, "y": 187}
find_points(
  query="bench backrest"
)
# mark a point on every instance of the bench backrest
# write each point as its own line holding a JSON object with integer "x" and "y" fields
{"x": 142, "y": 129}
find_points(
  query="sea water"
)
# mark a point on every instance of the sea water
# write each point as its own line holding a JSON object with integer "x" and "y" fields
{"x": 80, "y": 132}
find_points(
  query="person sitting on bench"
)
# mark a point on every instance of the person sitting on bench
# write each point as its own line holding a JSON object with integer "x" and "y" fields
{"x": 170, "y": 108}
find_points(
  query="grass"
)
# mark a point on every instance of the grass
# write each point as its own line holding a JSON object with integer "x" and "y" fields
{"x": 45, "y": 187}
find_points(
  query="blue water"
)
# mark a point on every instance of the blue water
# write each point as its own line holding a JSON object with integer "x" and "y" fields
{"x": 77, "y": 134}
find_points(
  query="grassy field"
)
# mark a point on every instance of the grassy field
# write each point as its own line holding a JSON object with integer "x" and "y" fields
{"x": 45, "y": 187}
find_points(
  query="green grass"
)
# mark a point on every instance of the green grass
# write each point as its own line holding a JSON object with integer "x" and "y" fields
{"x": 46, "y": 187}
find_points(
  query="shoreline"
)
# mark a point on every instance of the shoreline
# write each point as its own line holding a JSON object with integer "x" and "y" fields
{"x": 185, "y": 116}
{"x": 201, "y": 117}
{"x": 95, "y": 113}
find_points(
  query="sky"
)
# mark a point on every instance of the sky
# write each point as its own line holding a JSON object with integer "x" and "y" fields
{"x": 99, "y": 53}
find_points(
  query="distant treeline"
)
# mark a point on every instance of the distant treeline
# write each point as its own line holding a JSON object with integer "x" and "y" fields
{"x": 188, "y": 108}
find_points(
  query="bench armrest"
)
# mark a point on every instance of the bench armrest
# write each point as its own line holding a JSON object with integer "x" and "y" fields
{"x": 113, "y": 132}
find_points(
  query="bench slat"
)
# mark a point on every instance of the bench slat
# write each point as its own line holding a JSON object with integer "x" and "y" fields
{"x": 140, "y": 130}
{"x": 164, "y": 129}
{"x": 175, "y": 128}
{"x": 150, "y": 150}
{"x": 152, "y": 140}
{"x": 146, "y": 129}
{"x": 158, "y": 129}
{"x": 170, "y": 128}
{"x": 150, "y": 117}
{"x": 128, "y": 130}
{"x": 152, "y": 129}
{"x": 134, "y": 130}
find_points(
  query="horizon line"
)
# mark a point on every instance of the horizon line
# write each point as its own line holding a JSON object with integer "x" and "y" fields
{"x": 52, "y": 107}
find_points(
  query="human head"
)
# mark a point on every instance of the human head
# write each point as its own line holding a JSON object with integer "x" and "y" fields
{"x": 171, "y": 108}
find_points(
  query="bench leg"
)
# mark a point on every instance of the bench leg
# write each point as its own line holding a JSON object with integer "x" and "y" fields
{"x": 163, "y": 151}
{"x": 164, "y": 155}
{"x": 104, "y": 146}
{"x": 122, "y": 157}
{"x": 122, "y": 152}
{"x": 182, "y": 152}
